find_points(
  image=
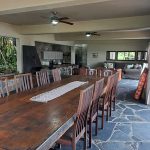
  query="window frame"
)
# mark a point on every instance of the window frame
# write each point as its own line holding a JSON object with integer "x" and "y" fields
{"x": 108, "y": 55}
{"x": 116, "y": 56}
{"x": 140, "y": 59}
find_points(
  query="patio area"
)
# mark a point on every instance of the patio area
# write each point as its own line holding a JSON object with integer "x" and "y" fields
{"x": 129, "y": 125}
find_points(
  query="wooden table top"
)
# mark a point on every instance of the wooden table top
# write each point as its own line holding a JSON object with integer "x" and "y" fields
{"x": 32, "y": 125}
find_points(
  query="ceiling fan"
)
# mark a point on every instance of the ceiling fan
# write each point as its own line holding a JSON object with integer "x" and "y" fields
{"x": 55, "y": 19}
{"x": 88, "y": 34}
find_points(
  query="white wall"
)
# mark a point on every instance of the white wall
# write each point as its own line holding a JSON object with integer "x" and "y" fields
{"x": 48, "y": 38}
{"x": 12, "y": 31}
{"x": 117, "y": 45}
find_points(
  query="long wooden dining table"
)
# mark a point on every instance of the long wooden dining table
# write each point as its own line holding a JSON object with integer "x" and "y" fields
{"x": 25, "y": 124}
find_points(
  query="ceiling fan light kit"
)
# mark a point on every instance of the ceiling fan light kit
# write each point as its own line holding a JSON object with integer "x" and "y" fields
{"x": 54, "y": 22}
{"x": 87, "y": 34}
{"x": 55, "y": 19}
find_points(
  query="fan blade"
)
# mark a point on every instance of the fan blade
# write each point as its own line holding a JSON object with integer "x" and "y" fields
{"x": 70, "y": 23}
{"x": 63, "y": 18}
{"x": 95, "y": 33}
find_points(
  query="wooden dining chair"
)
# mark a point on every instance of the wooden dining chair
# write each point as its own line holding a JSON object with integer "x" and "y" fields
{"x": 72, "y": 136}
{"x": 99, "y": 71}
{"x": 56, "y": 74}
{"x": 93, "y": 118}
{"x": 120, "y": 74}
{"x": 42, "y": 77}
{"x": 107, "y": 72}
{"x": 114, "y": 90}
{"x": 102, "y": 72}
{"x": 92, "y": 72}
{"x": 104, "y": 104}
{"x": 83, "y": 71}
{"x": 23, "y": 82}
{"x": 4, "y": 87}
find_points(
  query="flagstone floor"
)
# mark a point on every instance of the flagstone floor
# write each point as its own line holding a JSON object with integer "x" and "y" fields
{"x": 129, "y": 126}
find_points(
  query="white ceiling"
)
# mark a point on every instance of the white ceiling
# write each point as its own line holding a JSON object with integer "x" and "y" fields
{"x": 107, "y": 9}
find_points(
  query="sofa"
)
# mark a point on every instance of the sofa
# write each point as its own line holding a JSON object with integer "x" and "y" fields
{"x": 130, "y": 70}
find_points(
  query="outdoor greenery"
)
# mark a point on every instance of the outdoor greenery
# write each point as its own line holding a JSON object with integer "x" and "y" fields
{"x": 126, "y": 55}
{"x": 8, "y": 55}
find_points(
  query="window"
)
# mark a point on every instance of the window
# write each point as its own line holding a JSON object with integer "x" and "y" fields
{"x": 142, "y": 55}
{"x": 126, "y": 56}
{"x": 8, "y": 55}
{"x": 111, "y": 55}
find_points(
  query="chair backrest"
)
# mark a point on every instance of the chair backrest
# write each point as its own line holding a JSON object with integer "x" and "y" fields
{"x": 83, "y": 109}
{"x": 56, "y": 74}
{"x": 102, "y": 72}
{"x": 42, "y": 77}
{"x": 75, "y": 71}
{"x": 69, "y": 70}
{"x": 120, "y": 74}
{"x": 1, "y": 93}
{"x": 98, "y": 89}
{"x": 115, "y": 83}
{"x": 107, "y": 73}
{"x": 83, "y": 71}
{"x": 99, "y": 72}
{"x": 23, "y": 82}
{"x": 109, "y": 87}
{"x": 4, "y": 87}
{"x": 92, "y": 72}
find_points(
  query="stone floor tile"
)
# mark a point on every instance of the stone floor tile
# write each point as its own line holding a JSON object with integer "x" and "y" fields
{"x": 120, "y": 136}
{"x": 145, "y": 114}
{"x": 118, "y": 146}
{"x": 128, "y": 111}
{"x": 135, "y": 107}
{"x": 126, "y": 128}
{"x": 141, "y": 131}
{"x": 144, "y": 146}
{"x": 121, "y": 119}
{"x": 135, "y": 118}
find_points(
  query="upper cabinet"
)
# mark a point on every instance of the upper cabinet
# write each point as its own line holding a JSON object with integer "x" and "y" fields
{"x": 50, "y": 55}
{"x": 50, "y": 51}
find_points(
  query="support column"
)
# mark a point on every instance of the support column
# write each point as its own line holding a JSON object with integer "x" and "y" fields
{"x": 148, "y": 82}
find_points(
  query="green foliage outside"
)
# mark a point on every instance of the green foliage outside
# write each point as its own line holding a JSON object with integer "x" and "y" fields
{"x": 8, "y": 55}
{"x": 126, "y": 55}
